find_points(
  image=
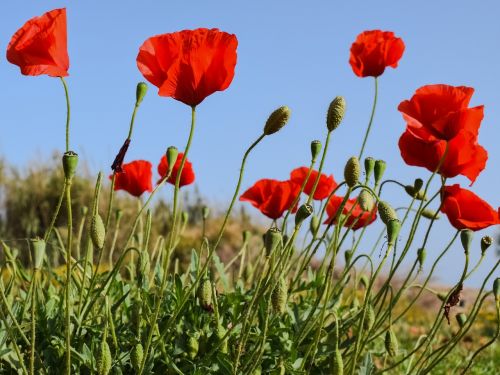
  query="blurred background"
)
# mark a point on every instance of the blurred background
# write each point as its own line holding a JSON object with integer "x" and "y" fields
{"x": 289, "y": 54}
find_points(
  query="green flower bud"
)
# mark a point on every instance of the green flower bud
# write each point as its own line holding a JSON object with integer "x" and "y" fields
{"x": 136, "y": 357}
{"x": 414, "y": 193}
{"x": 386, "y": 212}
{"x": 380, "y": 166}
{"x": 118, "y": 214}
{"x": 369, "y": 165}
{"x": 393, "y": 228}
{"x": 369, "y": 317}
{"x": 391, "y": 342}
{"x": 205, "y": 212}
{"x": 171, "y": 156}
{"x": 303, "y": 213}
{"x": 277, "y": 120}
{"x": 193, "y": 346}
{"x": 104, "y": 359}
{"x": 496, "y": 288}
{"x": 337, "y": 362}
{"x": 355, "y": 304}
{"x": 315, "y": 149}
{"x": 461, "y": 319}
{"x": 366, "y": 200}
{"x": 184, "y": 217}
{"x": 335, "y": 114}
{"x": 363, "y": 280}
{"x": 352, "y": 171}
{"x": 442, "y": 296}
{"x": 84, "y": 210}
{"x": 220, "y": 333}
{"x": 430, "y": 214}
{"x": 97, "y": 231}
{"x": 418, "y": 184}
{"x": 314, "y": 224}
{"x": 144, "y": 268}
{"x": 421, "y": 255}
{"x": 279, "y": 296}
{"x": 466, "y": 236}
{"x": 348, "y": 256}
{"x": 486, "y": 242}
{"x": 70, "y": 162}
{"x": 272, "y": 240}
{"x": 140, "y": 92}
{"x": 39, "y": 247}
{"x": 246, "y": 236}
{"x": 205, "y": 293}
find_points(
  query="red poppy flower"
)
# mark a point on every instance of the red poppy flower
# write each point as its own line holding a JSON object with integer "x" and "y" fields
{"x": 466, "y": 210}
{"x": 375, "y": 50}
{"x": 326, "y": 184}
{"x": 187, "y": 176}
{"x": 357, "y": 217}
{"x": 272, "y": 197}
{"x": 135, "y": 177}
{"x": 40, "y": 46}
{"x": 437, "y": 115}
{"x": 189, "y": 65}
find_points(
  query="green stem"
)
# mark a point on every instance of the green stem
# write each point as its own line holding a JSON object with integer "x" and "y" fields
{"x": 367, "y": 133}
{"x": 33, "y": 323}
{"x": 68, "y": 277}
{"x": 68, "y": 112}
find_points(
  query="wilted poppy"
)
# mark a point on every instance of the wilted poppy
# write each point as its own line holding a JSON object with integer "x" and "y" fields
{"x": 465, "y": 210}
{"x": 438, "y": 115}
{"x": 357, "y": 217}
{"x": 375, "y": 50}
{"x": 40, "y": 46}
{"x": 326, "y": 184}
{"x": 187, "y": 175}
{"x": 189, "y": 65}
{"x": 135, "y": 178}
{"x": 272, "y": 197}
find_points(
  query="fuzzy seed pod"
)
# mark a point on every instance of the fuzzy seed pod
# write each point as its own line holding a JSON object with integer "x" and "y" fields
{"x": 205, "y": 293}
{"x": 39, "y": 247}
{"x": 363, "y": 279}
{"x": 192, "y": 347}
{"x": 496, "y": 288}
{"x": 315, "y": 149}
{"x": 466, "y": 236}
{"x": 461, "y": 319}
{"x": 421, "y": 255}
{"x": 393, "y": 228}
{"x": 70, "y": 162}
{"x": 136, "y": 357}
{"x": 391, "y": 342}
{"x": 171, "y": 155}
{"x": 430, "y": 214}
{"x": 314, "y": 224}
{"x": 348, "y": 256}
{"x": 369, "y": 165}
{"x": 144, "y": 268}
{"x": 366, "y": 200}
{"x": 303, "y": 213}
{"x": 221, "y": 332}
{"x": 380, "y": 166}
{"x": 272, "y": 240}
{"x": 97, "y": 231}
{"x": 369, "y": 317}
{"x": 386, "y": 212}
{"x": 277, "y": 120}
{"x": 140, "y": 92}
{"x": 486, "y": 242}
{"x": 352, "y": 171}
{"x": 335, "y": 114}
{"x": 279, "y": 296}
{"x": 104, "y": 359}
{"x": 337, "y": 363}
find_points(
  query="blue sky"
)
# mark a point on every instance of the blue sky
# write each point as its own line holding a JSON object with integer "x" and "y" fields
{"x": 288, "y": 53}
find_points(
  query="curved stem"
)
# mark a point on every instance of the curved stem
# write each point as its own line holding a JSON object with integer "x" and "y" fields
{"x": 68, "y": 111}
{"x": 367, "y": 133}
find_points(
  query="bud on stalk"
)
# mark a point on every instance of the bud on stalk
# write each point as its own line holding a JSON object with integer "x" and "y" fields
{"x": 277, "y": 120}
{"x": 335, "y": 114}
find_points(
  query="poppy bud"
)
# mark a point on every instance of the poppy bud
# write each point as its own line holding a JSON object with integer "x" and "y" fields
{"x": 246, "y": 236}
{"x": 348, "y": 255}
{"x": 171, "y": 156}
{"x": 366, "y": 200}
{"x": 466, "y": 236}
{"x": 136, "y": 357}
{"x": 104, "y": 359}
{"x": 314, "y": 224}
{"x": 442, "y": 296}
{"x": 193, "y": 346}
{"x": 391, "y": 342}
{"x": 184, "y": 217}
{"x": 379, "y": 169}
{"x": 39, "y": 247}
{"x": 352, "y": 171}
{"x": 205, "y": 212}
{"x": 144, "y": 268}
{"x": 272, "y": 239}
{"x": 421, "y": 255}
{"x": 386, "y": 212}
{"x": 335, "y": 114}
{"x": 461, "y": 319}
{"x": 337, "y": 363}
{"x": 220, "y": 332}
{"x": 363, "y": 279}
{"x": 140, "y": 92}
{"x": 97, "y": 231}
{"x": 486, "y": 242}
{"x": 369, "y": 317}
{"x": 279, "y": 296}
{"x": 277, "y": 120}
{"x": 418, "y": 184}
{"x": 414, "y": 193}
{"x": 393, "y": 228}
{"x": 496, "y": 288}
{"x": 118, "y": 214}
{"x": 70, "y": 162}
{"x": 315, "y": 149}
{"x": 369, "y": 165}
{"x": 430, "y": 214}
{"x": 205, "y": 293}
{"x": 303, "y": 213}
